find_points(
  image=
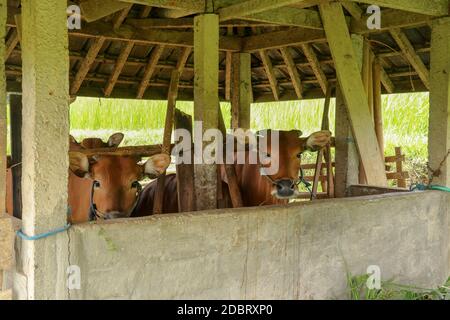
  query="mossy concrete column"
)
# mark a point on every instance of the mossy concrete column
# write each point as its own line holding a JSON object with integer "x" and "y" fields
{"x": 439, "y": 131}
{"x": 45, "y": 137}
{"x": 206, "y": 102}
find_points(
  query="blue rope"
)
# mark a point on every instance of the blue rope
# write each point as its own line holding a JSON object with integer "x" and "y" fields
{"x": 43, "y": 235}
{"x": 422, "y": 187}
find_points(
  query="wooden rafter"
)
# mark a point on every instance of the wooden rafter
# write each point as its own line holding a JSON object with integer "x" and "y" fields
{"x": 293, "y": 71}
{"x": 121, "y": 16}
{"x": 149, "y": 70}
{"x": 120, "y": 63}
{"x": 387, "y": 82}
{"x": 249, "y": 7}
{"x": 194, "y": 6}
{"x": 86, "y": 64}
{"x": 315, "y": 66}
{"x": 145, "y": 12}
{"x": 304, "y": 18}
{"x": 93, "y": 10}
{"x": 228, "y": 69}
{"x": 270, "y": 74}
{"x": 182, "y": 60}
{"x": 429, "y": 7}
{"x": 181, "y": 23}
{"x": 353, "y": 8}
{"x": 410, "y": 54}
{"x": 11, "y": 44}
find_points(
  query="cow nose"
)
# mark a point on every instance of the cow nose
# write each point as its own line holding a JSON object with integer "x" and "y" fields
{"x": 285, "y": 188}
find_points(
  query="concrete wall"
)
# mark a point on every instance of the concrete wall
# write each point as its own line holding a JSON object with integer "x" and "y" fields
{"x": 295, "y": 252}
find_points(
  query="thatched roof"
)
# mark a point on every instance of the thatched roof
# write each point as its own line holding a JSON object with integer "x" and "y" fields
{"x": 131, "y": 52}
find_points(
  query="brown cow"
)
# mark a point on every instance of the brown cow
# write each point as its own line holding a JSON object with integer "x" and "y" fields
{"x": 105, "y": 187}
{"x": 256, "y": 189}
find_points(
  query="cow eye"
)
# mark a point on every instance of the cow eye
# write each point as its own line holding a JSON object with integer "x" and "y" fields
{"x": 299, "y": 155}
{"x": 135, "y": 185}
{"x": 96, "y": 184}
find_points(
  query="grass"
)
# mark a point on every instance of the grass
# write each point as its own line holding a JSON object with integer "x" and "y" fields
{"x": 358, "y": 290}
{"x": 405, "y": 122}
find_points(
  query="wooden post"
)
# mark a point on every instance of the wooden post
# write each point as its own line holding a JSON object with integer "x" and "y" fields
{"x": 15, "y": 102}
{"x": 353, "y": 91}
{"x": 439, "y": 131}
{"x": 45, "y": 130}
{"x": 3, "y": 111}
{"x": 346, "y": 153}
{"x": 206, "y": 100}
{"x": 241, "y": 87}
{"x": 168, "y": 128}
{"x": 185, "y": 172}
{"x": 377, "y": 105}
{"x": 401, "y": 182}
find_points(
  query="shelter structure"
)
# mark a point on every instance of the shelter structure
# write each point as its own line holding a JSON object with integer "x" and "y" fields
{"x": 206, "y": 51}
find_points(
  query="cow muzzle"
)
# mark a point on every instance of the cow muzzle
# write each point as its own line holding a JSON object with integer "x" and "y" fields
{"x": 285, "y": 189}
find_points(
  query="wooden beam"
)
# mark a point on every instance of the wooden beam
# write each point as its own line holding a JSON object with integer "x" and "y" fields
{"x": 377, "y": 105}
{"x": 120, "y": 63}
{"x": 121, "y": 16}
{"x": 158, "y": 203}
{"x": 15, "y": 103}
{"x": 145, "y": 37}
{"x": 93, "y": 10}
{"x": 250, "y": 7}
{"x": 206, "y": 100}
{"x": 85, "y": 66}
{"x": 228, "y": 68}
{"x": 268, "y": 67}
{"x": 241, "y": 90}
{"x": 3, "y": 110}
{"x": 182, "y": 60}
{"x": 386, "y": 81}
{"x": 293, "y": 71}
{"x": 289, "y": 17}
{"x": 315, "y": 66}
{"x": 149, "y": 70}
{"x": 194, "y": 6}
{"x": 162, "y": 23}
{"x": 354, "y": 9}
{"x": 11, "y": 44}
{"x": 412, "y": 57}
{"x": 353, "y": 91}
{"x": 428, "y": 7}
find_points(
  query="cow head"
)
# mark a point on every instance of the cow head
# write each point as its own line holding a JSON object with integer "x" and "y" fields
{"x": 115, "y": 180}
{"x": 95, "y": 143}
{"x": 287, "y": 158}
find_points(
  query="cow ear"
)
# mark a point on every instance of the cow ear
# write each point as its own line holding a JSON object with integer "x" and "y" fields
{"x": 115, "y": 140}
{"x": 299, "y": 132}
{"x": 79, "y": 164}
{"x": 156, "y": 165}
{"x": 72, "y": 140}
{"x": 318, "y": 140}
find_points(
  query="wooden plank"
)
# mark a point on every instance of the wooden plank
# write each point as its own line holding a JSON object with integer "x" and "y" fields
{"x": 185, "y": 172}
{"x": 429, "y": 7}
{"x": 315, "y": 66}
{"x": 12, "y": 43}
{"x": 206, "y": 100}
{"x": 121, "y": 16}
{"x": 268, "y": 67}
{"x": 304, "y": 18}
{"x": 149, "y": 70}
{"x": 293, "y": 71}
{"x": 353, "y": 8}
{"x": 85, "y": 66}
{"x": 192, "y": 6}
{"x": 241, "y": 90}
{"x": 377, "y": 105}
{"x": 168, "y": 129}
{"x": 353, "y": 91}
{"x": 139, "y": 151}
{"x": 93, "y": 10}
{"x": 15, "y": 102}
{"x": 410, "y": 54}
{"x": 250, "y": 7}
{"x": 120, "y": 64}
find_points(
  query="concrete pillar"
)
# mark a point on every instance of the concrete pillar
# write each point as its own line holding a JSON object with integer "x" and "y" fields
{"x": 206, "y": 102}
{"x": 241, "y": 90}
{"x": 3, "y": 124}
{"x": 45, "y": 133}
{"x": 439, "y": 131}
{"x": 347, "y": 157}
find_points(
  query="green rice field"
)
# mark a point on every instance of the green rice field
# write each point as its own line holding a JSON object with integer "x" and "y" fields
{"x": 405, "y": 121}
